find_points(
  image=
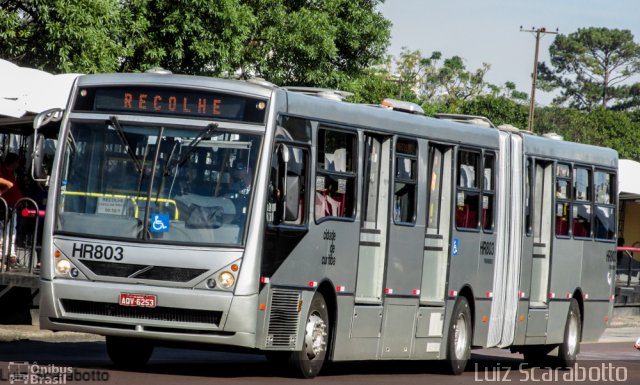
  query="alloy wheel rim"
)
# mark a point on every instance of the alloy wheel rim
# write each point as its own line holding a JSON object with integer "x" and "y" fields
{"x": 460, "y": 336}
{"x": 315, "y": 336}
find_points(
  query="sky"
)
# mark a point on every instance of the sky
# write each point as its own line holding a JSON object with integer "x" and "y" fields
{"x": 488, "y": 31}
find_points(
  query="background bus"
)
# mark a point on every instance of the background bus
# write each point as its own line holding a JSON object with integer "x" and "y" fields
{"x": 352, "y": 232}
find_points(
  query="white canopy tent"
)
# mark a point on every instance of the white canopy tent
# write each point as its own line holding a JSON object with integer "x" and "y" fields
{"x": 628, "y": 179}
{"x": 27, "y": 90}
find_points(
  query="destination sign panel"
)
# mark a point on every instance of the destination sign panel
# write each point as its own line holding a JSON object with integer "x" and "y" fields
{"x": 174, "y": 101}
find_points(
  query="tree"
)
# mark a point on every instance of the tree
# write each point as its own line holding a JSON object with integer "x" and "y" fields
{"x": 301, "y": 42}
{"x": 203, "y": 37}
{"x": 62, "y": 35}
{"x": 591, "y": 66}
{"x": 500, "y": 110}
{"x": 315, "y": 43}
{"x": 436, "y": 78}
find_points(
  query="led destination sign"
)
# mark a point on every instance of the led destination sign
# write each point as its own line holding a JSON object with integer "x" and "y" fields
{"x": 176, "y": 102}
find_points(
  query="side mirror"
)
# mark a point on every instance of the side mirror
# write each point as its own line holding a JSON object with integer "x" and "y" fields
{"x": 43, "y": 118}
{"x": 38, "y": 172}
{"x": 37, "y": 159}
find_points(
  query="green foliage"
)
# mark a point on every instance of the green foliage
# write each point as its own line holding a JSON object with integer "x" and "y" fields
{"x": 499, "y": 110}
{"x": 315, "y": 43}
{"x": 62, "y": 35}
{"x": 590, "y": 67}
{"x": 303, "y": 42}
{"x": 600, "y": 127}
{"x": 436, "y": 78}
{"x": 372, "y": 87}
{"x": 190, "y": 36}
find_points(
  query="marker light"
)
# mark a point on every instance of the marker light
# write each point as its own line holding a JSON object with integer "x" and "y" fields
{"x": 226, "y": 279}
{"x": 63, "y": 266}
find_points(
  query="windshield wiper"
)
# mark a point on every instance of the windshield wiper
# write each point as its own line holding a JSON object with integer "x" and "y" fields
{"x": 191, "y": 147}
{"x": 123, "y": 138}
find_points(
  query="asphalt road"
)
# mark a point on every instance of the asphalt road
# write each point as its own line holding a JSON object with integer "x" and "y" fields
{"x": 87, "y": 362}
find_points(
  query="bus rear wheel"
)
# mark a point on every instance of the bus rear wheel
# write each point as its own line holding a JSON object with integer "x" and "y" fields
{"x": 459, "y": 337}
{"x": 128, "y": 352}
{"x": 570, "y": 347}
{"x": 308, "y": 362}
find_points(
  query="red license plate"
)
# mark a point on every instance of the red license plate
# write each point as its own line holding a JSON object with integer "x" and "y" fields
{"x": 141, "y": 300}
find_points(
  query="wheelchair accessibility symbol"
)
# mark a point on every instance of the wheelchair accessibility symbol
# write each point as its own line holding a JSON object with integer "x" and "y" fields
{"x": 159, "y": 223}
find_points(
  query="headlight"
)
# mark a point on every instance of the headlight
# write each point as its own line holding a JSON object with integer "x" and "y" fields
{"x": 226, "y": 279}
{"x": 63, "y": 266}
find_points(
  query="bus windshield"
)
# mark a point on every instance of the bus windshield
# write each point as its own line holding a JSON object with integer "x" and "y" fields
{"x": 155, "y": 183}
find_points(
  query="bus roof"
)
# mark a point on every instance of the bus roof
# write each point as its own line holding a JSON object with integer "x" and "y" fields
{"x": 172, "y": 80}
{"x": 380, "y": 119}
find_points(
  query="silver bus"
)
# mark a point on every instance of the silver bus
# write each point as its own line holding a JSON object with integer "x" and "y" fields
{"x": 197, "y": 211}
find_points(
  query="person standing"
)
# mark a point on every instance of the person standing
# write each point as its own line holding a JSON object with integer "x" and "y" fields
{"x": 12, "y": 194}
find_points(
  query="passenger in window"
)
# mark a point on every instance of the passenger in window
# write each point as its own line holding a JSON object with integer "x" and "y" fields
{"x": 241, "y": 180}
{"x": 240, "y": 188}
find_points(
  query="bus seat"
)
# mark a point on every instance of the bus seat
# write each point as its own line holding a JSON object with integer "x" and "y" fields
{"x": 335, "y": 205}
{"x": 561, "y": 226}
{"x": 579, "y": 229}
{"x": 466, "y": 217}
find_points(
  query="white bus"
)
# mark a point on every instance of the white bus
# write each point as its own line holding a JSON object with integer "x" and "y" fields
{"x": 190, "y": 210}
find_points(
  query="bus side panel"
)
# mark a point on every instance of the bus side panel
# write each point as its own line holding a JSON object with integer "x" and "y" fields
{"x": 558, "y": 311}
{"x": 481, "y": 324}
{"x": 597, "y": 279}
{"x": 525, "y": 289}
{"x": 566, "y": 268}
{"x": 596, "y": 314}
{"x": 357, "y": 332}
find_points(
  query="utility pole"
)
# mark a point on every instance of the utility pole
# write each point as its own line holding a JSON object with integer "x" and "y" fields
{"x": 532, "y": 104}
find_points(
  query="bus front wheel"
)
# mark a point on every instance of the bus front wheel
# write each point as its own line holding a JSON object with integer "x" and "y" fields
{"x": 459, "y": 337}
{"x": 128, "y": 352}
{"x": 308, "y": 362}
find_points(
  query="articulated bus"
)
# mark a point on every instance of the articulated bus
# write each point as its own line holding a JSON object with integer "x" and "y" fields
{"x": 191, "y": 211}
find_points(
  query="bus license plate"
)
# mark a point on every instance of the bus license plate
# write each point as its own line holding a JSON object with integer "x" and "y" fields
{"x": 140, "y": 300}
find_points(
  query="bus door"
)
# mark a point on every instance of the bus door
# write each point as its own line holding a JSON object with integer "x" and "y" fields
{"x": 538, "y": 248}
{"x": 404, "y": 254}
{"x": 366, "y": 322}
{"x": 435, "y": 254}
{"x": 373, "y": 231}
{"x": 436, "y": 238}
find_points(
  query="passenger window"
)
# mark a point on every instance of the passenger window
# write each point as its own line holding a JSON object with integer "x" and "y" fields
{"x": 488, "y": 193}
{"x": 605, "y": 214}
{"x": 563, "y": 199}
{"x": 468, "y": 191}
{"x": 405, "y": 182}
{"x": 335, "y": 176}
{"x": 582, "y": 206}
{"x": 582, "y": 184}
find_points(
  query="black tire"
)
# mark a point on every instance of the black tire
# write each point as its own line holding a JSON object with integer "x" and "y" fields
{"x": 308, "y": 362}
{"x": 459, "y": 337}
{"x": 128, "y": 352}
{"x": 570, "y": 347}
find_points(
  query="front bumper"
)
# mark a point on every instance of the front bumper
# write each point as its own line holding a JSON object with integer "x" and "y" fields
{"x": 181, "y": 315}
